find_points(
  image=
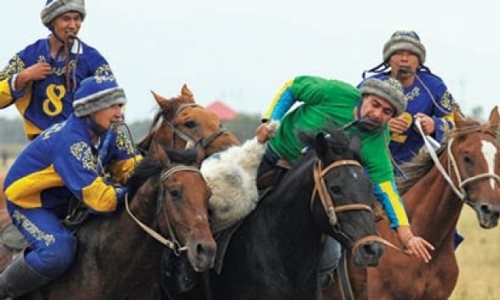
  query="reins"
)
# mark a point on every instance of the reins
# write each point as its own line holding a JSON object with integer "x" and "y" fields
{"x": 173, "y": 244}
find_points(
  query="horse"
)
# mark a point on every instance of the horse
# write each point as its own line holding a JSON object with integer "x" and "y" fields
{"x": 275, "y": 251}
{"x": 118, "y": 255}
{"x": 434, "y": 197}
{"x": 181, "y": 123}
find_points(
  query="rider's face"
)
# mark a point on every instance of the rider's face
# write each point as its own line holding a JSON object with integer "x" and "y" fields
{"x": 105, "y": 117}
{"x": 405, "y": 59}
{"x": 376, "y": 109}
{"x": 67, "y": 24}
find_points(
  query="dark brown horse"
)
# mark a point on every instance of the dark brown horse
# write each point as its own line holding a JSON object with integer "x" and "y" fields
{"x": 463, "y": 172}
{"x": 181, "y": 123}
{"x": 118, "y": 255}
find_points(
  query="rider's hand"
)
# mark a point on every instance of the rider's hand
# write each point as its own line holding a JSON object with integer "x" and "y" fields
{"x": 427, "y": 123}
{"x": 398, "y": 125}
{"x": 420, "y": 248}
{"x": 35, "y": 72}
{"x": 415, "y": 245}
{"x": 263, "y": 133}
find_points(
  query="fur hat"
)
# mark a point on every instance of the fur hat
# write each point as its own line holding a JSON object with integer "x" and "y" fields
{"x": 54, "y": 8}
{"x": 391, "y": 90}
{"x": 404, "y": 40}
{"x": 96, "y": 93}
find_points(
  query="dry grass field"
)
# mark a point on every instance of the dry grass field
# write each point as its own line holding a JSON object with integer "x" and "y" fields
{"x": 478, "y": 258}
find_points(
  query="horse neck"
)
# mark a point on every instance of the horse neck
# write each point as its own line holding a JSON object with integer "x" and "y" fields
{"x": 433, "y": 207}
{"x": 132, "y": 237}
{"x": 288, "y": 214}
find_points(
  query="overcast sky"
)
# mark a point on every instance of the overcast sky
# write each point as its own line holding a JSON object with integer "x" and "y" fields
{"x": 242, "y": 52}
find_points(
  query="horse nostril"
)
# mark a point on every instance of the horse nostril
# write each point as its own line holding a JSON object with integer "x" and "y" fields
{"x": 485, "y": 209}
{"x": 373, "y": 248}
{"x": 206, "y": 249}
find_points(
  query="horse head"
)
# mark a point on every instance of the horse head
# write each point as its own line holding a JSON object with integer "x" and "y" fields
{"x": 344, "y": 193}
{"x": 180, "y": 123}
{"x": 182, "y": 205}
{"x": 474, "y": 157}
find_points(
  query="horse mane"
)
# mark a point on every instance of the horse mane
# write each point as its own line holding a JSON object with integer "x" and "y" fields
{"x": 150, "y": 166}
{"x": 145, "y": 142}
{"x": 422, "y": 162}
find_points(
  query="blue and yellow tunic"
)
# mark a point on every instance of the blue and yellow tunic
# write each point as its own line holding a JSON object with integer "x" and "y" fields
{"x": 62, "y": 162}
{"x": 324, "y": 101}
{"x": 48, "y": 101}
{"x": 429, "y": 95}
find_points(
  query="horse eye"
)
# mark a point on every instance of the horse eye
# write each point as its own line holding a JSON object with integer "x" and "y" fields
{"x": 468, "y": 160}
{"x": 190, "y": 124}
{"x": 175, "y": 194}
{"x": 336, "y": 189}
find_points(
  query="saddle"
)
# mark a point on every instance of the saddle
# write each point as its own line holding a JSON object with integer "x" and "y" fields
{"x": 272, "y": 177}
{"x": 77, "y": 214}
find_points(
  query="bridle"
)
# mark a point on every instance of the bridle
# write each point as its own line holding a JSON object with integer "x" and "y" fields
{"x": 173, "y": 243}
{"x": 321, "y": 190}
{"x": 190, "y": 141}
{"x": 459, "y": 188}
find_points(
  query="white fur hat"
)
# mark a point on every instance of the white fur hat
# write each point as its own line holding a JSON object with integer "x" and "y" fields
{"x": 96, "y": 93}
{"x": 391, "y": 90}
{"x": 54, "y": 8}
{"x": 404, "y": 40}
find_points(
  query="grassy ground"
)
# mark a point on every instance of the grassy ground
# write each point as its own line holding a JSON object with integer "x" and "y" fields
{"x": 478, "y": 258}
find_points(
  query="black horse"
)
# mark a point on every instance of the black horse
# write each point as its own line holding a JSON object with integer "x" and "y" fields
{"x": 119, "y": 254}
{"x": 275, "y": 252}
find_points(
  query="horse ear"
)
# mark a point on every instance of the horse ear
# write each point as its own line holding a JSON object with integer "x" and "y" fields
{"x": 458, "y": 118}
{"x": 157, "y": 151}
{"x": 321, "y": 146}
{"x": 355, "y": 143}
{"x": 494, "y": 117}
{"x": 162, "y": 101}
{"x": 186, "y": 92}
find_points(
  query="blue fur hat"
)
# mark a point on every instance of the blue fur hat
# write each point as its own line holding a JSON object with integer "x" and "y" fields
{"x": 404, "y": 40}
{"x": 96, "y": 93}
{"x": 391, "y": 90}
{"x": 54, "y": 8}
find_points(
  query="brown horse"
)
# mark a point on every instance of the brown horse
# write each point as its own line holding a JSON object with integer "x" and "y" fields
{"x": 118, "y": 255}
{"x": 463, "y": 172}
{"x": 181, "y": 123}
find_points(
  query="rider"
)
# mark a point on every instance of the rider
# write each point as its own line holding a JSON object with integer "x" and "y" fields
{"x": 41, "y": 79}
{"x": 85, "y": 157}
{"x": 429, "y": 100}
{"x": 368, "y": 110}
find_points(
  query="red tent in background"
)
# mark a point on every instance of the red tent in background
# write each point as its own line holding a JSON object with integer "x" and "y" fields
{"x": 224, "y": 112}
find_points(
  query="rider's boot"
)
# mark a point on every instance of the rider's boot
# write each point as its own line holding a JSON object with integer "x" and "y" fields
{"x": 19, "y": 279}
{"x": 332, "y": 251}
